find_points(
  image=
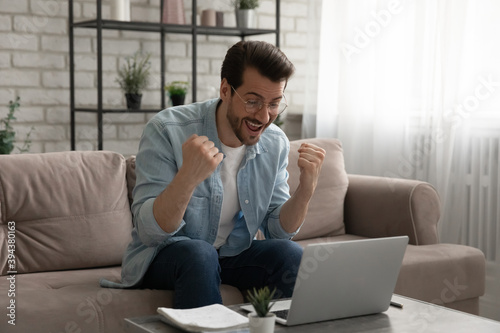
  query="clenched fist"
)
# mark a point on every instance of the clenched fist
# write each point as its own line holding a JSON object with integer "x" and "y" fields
{"x": 200, "y": 158}
{"x": 310, "y": 161}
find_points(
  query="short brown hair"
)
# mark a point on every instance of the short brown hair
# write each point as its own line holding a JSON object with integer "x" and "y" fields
{"x": 269, "y": 60}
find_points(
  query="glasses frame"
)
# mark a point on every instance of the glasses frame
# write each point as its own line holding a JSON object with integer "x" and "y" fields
{"x": 262, "y": 104}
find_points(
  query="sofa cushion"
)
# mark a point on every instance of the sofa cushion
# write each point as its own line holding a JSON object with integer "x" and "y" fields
{"x": 325, "y": 216}
{"x": 442, "y": 273}
{"x": 69, "y": 209}
{"x": 73, "y": 301}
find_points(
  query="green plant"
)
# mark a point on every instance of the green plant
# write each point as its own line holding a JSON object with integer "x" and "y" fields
{"x": 177, "y": 88}
{"x": 133, "y": 76}
{"x": 278, "y": 121}
{"x": 261, "y": 300}
{"x": 246, "y": 4}
{"x": 7, "y": 134}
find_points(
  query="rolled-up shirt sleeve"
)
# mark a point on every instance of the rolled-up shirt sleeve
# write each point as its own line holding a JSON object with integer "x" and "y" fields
{"x": 148, "y": 229}
{"x": 275, "y": 230}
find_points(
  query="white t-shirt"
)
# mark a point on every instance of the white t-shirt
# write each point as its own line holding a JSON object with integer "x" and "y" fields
{"x": 230, "y": 203}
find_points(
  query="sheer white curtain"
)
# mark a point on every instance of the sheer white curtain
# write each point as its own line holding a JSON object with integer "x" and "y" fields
{"x": 409, "y": 87}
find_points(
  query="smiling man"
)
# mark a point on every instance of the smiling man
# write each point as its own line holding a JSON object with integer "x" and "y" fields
{"x": 209, "y": 176}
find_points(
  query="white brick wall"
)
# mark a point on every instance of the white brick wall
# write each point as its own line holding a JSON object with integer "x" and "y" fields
{"x": 34, "y": 65}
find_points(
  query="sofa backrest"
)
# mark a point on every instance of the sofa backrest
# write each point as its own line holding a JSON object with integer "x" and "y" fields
{"x": 325, "y": 216}
{"x": 69, "y": 210}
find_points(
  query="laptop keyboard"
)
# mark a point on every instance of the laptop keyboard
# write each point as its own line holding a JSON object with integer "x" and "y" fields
{"x": 283, "y": 314}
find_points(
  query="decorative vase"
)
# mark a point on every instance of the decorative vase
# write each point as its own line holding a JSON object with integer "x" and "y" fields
{"x": 133, "y": 101}
{"x": 208, "y": 18}
{"x": 245, "y": 18}
{"x": 177, "y": 99}
{"x": 173, "y": 12}
{"x": 120, "y": 10}
{"x": 261, "y": 324}
{"x": 219, "y": 19}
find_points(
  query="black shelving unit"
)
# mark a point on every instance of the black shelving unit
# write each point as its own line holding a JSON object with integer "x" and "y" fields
{"x": 100, "y": 24}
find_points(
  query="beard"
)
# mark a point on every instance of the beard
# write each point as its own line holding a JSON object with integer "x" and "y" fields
{"x": 239, "y": 126}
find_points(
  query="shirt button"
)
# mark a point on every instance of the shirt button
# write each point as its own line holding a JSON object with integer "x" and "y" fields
{"x": 246, "y": 201}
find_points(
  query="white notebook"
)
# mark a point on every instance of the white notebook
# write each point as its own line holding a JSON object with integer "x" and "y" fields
{"x": 210, "y": 318}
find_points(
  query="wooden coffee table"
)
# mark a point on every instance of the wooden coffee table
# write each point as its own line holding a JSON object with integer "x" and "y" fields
{"x": 415, "y": 316}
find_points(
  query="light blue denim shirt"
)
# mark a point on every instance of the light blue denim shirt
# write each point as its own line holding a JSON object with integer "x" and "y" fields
{"x": 261, "y": 181}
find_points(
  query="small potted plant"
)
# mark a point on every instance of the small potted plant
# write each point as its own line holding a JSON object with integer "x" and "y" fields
{"x": 278, "y": 121}
{"x": 261, "y": 321}
{"x": 7, "y": 134}
{"x": 133, "y": 77}
{"x": 177, "y": 91}
{"x": 245, "y": 13}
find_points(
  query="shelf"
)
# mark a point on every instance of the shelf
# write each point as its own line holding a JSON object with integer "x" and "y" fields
{"x": 96, "y": 110}
{"x": 135, "y": 26}
{"x": 171, "y": 28}
{"x": 214, "y": 31}
{"x": 99, "y": 25}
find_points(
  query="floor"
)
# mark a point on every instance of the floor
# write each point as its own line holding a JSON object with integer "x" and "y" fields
{"x": 489, "y": 304}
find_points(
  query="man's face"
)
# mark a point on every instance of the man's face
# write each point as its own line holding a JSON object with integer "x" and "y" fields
{"x": 247, "y": 126}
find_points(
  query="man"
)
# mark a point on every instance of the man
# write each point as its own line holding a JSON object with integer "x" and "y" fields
{"x": 209, "y": 176}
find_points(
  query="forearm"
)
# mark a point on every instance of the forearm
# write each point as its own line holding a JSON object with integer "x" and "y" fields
{"x": 294, "y": 211}
{"x": 169, "y": 207}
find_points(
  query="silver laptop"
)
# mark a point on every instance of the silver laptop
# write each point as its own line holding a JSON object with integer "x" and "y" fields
{"x": 342, "y": 279}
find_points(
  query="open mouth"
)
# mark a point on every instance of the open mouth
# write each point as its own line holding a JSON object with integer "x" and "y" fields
{"x": 253, "y": 128}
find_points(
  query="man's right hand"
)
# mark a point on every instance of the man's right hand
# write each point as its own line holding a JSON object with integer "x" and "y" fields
{"x": 200, "y": 159}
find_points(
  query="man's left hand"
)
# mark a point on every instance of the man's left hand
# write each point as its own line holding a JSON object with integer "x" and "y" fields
{"x": 310, "y": 160}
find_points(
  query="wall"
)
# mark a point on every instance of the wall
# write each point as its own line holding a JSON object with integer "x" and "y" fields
{"x": 34, "y": 65}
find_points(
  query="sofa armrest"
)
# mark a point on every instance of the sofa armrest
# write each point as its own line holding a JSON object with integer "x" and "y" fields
{"x": 386, "y": 207}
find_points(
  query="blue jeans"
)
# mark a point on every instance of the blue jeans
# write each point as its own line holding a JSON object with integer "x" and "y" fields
{"x": 193, "y": 269}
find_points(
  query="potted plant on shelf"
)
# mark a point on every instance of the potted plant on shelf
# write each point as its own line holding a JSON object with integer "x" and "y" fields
{"x": 7, "y": 134}
{"x": 261, "y": 321}
{"x": 278, "y": 121}
{"x": 245, "y": 13}
{"x": 177, "y": 91}
{"x": 133, "y": 77}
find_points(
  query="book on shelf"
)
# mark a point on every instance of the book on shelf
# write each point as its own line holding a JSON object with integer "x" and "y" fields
{"x": 210, "y": 318}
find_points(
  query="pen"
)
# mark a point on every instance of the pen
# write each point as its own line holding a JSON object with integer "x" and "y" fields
{"x": 396, "y": 305}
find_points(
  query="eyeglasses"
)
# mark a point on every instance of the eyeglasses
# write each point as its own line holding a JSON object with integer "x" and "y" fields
{"x": 255, "y": 105}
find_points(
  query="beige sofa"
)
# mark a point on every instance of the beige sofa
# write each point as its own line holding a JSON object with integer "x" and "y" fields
{"x": 67, "y": 220}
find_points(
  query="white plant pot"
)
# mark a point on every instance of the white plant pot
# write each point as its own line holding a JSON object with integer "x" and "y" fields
{"x": 245, "y": 18}
{"x": 261, "y": 324}
{"x": 120, "y": 10}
